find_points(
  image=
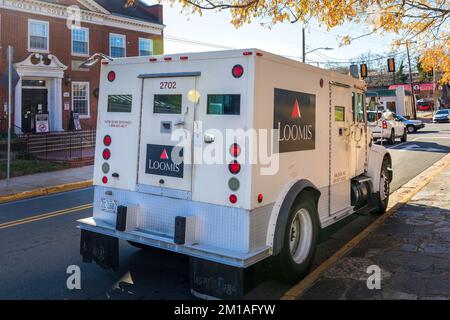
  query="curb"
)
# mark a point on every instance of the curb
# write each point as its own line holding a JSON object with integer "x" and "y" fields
{"x": 399, "y": 198}
{"x": 46, "y": 191}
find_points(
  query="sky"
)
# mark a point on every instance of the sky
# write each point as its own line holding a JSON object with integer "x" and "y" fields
{"x": 214, "y": 28}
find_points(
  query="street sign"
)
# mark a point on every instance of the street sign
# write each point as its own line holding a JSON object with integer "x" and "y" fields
{"x": 14, "y": 78}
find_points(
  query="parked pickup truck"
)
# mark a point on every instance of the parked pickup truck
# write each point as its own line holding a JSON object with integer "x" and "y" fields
{"x": 385, "y": 126}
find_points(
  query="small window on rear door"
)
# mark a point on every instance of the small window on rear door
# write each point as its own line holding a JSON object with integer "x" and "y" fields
{"x": 167, "y": 103}
{"x": 224, "y": 104}
{"x": 120, "y": 103}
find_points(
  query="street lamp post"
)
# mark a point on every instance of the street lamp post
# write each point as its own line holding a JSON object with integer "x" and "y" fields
{"x": 304, "y": 46}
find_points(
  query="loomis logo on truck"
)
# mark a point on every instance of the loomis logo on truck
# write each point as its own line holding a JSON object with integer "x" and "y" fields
{"x": 160, "y": 161}
{"x": 295, "y": 120}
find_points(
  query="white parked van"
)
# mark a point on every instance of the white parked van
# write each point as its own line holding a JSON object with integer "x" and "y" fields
{"x": 231, "y": 158}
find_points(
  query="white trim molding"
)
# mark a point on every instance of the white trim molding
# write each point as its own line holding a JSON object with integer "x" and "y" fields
{"x": 94, "y": 6}
{"x": 98, "y": 17}
{"x": 27, "y": 68}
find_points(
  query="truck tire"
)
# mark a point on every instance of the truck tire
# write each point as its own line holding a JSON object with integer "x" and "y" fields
{"x": 404, "y": 137}
{"x": 300, "y": 241}
{"x": 382, "y": 200}
{"x": 391, "y": 139}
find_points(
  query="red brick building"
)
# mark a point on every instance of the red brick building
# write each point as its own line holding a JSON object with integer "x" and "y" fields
{"x": 52, "y": 38}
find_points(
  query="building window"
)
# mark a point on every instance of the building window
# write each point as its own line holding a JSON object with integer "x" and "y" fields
{"x": 117, "y": 45}
{"x": 145, "y": 47}
{"x": 80, "y": 98}
{"x": 80, "y": 41}
{"x": 38, "y": 35}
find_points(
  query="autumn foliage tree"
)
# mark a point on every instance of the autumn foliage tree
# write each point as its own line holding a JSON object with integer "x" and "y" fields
{"x": 422, "y": 23}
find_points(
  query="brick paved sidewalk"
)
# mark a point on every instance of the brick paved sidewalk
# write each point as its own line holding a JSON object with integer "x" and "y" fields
{"x": 412, "y": 248}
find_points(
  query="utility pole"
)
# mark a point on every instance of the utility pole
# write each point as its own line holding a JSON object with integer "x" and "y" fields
{"x": 411, "y": 82}
{"x": 8, "y": 169}
{"x": 304, "y": 44}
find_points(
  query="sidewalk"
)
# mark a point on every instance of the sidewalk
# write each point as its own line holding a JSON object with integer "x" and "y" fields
{"x": 43, "y": 181}
{"x": 412, "y": 248}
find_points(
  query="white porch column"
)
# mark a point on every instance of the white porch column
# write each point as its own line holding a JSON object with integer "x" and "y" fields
{"x": 55, "y": 104}
{"x": 18, "y": 107}
{"x": 58, "y": 105}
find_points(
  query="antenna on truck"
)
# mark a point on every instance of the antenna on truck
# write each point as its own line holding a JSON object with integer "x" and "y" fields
{"x": 94, "y": 59}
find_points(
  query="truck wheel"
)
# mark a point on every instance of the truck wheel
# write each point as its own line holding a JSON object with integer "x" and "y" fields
{"x": 384, "y": 188}
{"x": 391, "y": 139}
{"x": 300, "y": 241}
{"x": 411, "y": 129}
{"x": 404, "y": 137}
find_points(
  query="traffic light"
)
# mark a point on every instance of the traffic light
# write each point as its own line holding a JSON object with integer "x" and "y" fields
{"x": 391, "y": 65}
{"x": 364, "y": 72}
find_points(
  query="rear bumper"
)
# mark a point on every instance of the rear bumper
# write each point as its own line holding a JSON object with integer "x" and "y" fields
{"x": 227, "y": 235}
{"x": 219, "y": 255}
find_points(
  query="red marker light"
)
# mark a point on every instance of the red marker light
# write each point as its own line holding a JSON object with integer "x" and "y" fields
{"x": 260, "y": 198}
{"x": 233, "y": 199}
{"x": 105, "y": 180}
{"x": 153, "y": 59}
{"x": 107, "y": 141}
{"x": 238, "y": 71}
{"x": 106, "y": 154}
{"x": 235, "y": 150}
{"x": 111, "y": 76}
{"x": 168, "y": 59}
{"x": 235, "y": 167}
{"x": 247, "y": 53}
{"x": 184, "y": 58}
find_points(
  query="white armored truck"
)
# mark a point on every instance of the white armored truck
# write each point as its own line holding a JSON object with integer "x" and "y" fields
{"x": 232, "y": 158}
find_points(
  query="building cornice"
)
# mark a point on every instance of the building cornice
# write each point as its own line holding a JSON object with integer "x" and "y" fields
{"x": 59, "y": 11}
{"x": 94, "y": 6}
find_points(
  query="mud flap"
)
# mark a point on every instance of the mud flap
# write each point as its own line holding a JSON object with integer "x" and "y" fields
{"x": 101, "y": 249}
{"x": 211, "y": 280}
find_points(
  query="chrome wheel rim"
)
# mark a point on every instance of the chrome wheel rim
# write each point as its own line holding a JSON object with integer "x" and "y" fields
{"x": 410, "y": 129}
{"x": 300, "y": 236}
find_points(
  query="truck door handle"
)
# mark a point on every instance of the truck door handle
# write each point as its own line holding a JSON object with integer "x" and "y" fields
{"x": 209, "y": 138}
{"x": 180, "y": 123}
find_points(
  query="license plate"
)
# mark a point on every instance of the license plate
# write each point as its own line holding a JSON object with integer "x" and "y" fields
{"x": 108, "y": 205}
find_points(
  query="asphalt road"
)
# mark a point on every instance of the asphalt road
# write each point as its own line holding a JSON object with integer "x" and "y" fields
{"x": 39, "y": 241}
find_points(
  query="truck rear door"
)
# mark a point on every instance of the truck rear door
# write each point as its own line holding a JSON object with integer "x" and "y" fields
{"x": 167, "y": 118}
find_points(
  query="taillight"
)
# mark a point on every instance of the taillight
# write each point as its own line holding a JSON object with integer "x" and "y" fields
{"x": 233, "y": 199}
{"x": 235, "y": 150}
{"x": 238, "y": 71}
{"x": 107, "y": 141}
{"x": 105, "y": 180}
{"x": 111, "y": 76}
{"x": 385, "y": 125}
{"x": 235, "y": 167}
{"x": 106, "y": 154}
